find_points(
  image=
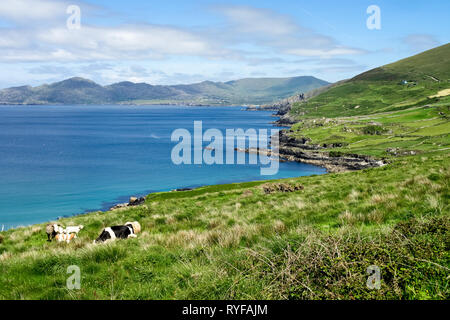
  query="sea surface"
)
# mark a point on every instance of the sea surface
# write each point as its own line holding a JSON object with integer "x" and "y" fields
{"x": 57, "y": 161}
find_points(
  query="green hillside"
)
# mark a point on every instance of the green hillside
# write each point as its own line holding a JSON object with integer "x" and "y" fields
{"x": 302, "y": 238}
{"x": 239, "y": 242}
{"x": 274, "y": 87}
{"x": 409, "y": 131}
{"x": 396, "y": 86}
{"x": 434, "y": 63}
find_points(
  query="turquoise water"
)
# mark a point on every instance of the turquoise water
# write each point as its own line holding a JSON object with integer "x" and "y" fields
{"x": 59, "y": 161}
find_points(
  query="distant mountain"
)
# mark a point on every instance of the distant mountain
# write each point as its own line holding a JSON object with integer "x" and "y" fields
{"x": 82, "y": 91}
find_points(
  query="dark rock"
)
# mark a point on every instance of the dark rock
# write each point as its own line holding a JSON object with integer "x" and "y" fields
{"x": 269, "y": 188}
{"x": 134, "y": 201}
{"x": 183, "y": 189}
{"x": 118, "y": 206}
{"x": 300, "y": 149}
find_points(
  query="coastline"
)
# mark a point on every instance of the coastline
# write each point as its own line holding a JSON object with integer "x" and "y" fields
{"x": 290, "y": 150}
{"x": 119, "y": 203}
{"x": 105, "y": 206}
{"x": 303, "y": 151}
{"x": 250, "y": 107}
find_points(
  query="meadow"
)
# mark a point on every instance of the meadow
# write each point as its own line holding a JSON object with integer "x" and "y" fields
{"x": 408, "y": 131}
{"x": 311, "y": 237}
{"x": 239, "y": 242}
{"x": 413, "y": 81}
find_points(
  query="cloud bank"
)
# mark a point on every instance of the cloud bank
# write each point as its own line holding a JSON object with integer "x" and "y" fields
{"x": 35, "y": 33}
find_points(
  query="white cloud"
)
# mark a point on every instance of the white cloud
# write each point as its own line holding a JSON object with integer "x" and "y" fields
{"x": 255, "y": 20}
{"x": 262, "y": 29}
{"x": 158, "y": 39}
{"x": 278, "y": 32}
{"x": 50, "y": 70}
{"x": 420, "y": 42}
{"x": 340, "y": 69}
{"x": 104, "y": 43}
{"x": 324, "y": 53}
{"x": 112, "y": 53}
{"x": 326, "y": 61}
{"x": 13, "y": 39}
{"x": 31, "y": 10}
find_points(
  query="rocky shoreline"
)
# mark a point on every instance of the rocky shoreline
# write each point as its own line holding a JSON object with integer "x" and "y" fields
{"x": 297, "y": 150}
{"x": 301, "y": 150}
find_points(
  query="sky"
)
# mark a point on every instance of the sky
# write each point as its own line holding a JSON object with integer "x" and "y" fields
{"x": 179, "y": 41}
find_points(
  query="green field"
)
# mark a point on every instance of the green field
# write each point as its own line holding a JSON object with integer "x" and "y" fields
{"x": 237, "y": 242}
{"x": 253, "y": 241}
{"x": 414, "y": 130}
{"x": 383, "y": 89}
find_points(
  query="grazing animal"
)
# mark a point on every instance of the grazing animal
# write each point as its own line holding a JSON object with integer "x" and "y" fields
{"x": 60, "y": 237}
{"x": 58, "y": 232}
{"x": 52, "y": 230}
{"x": 129, "y": 230}
{"x": 74, "y": 229}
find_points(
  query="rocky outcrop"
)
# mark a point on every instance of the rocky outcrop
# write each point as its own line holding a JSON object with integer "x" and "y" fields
{"x": 183, "y": 189}
{"x": 400, "y": 152}
{"x": 332, "y": 161}
{"x": 282, "y": 107}
{"x": 118, "y": 206}
{"x": 285, "y": 121}
{"x": 269, "y": 188}
{"x": 289, "y": 141}
{"x": 303, "y": 150}
{"x": 134, "y": 201}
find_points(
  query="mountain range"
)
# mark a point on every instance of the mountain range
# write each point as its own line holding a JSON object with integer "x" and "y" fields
{"x": 83, "y": 91}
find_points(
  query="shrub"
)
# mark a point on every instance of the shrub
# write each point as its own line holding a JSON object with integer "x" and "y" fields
{"x": 412, "y": 259}
{"x": 335, "y": 154}
{"x": 373, "y": 130}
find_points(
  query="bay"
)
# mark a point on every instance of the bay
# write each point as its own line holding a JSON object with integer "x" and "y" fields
{"x": 59, "y": 161}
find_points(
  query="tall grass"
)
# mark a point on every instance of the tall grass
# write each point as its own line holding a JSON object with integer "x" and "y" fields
{"x": 239, "y": 242}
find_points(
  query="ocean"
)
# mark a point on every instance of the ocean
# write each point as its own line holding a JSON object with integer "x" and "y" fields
{"x": 57, "y": 161}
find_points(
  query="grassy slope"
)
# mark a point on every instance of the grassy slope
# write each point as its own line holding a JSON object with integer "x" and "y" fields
{"x": 415, "y": 129}
{"x": 234, "y": 241}
{"x": 381, "y": 89}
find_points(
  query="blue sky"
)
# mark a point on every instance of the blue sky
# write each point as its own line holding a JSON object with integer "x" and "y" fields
{"x": 172, "y": 42}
